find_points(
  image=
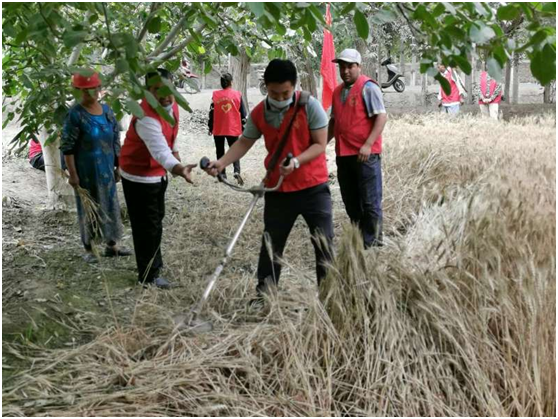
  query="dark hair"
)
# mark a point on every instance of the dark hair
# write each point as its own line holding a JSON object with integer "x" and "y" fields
{"x": 226, "y": 80}
{"x": 280, "y": 71}
{"x": 163, "y": 73}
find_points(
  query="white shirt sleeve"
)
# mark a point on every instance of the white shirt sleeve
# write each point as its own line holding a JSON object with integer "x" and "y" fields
{"x": 150, "y": 131}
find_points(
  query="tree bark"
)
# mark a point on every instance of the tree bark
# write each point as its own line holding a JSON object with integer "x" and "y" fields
{"x": 240, "y": 68}
{"x": 515, "y": 80}
{"x": 424, "y": 90}
{"x": 401, "y": 57}
{"x": 507, "y": 81}
{"x": 414, "y": 69}
{"x": 60, "y": 194}
{"x": 550, "y": 92}
{"x": 367, "y": 60}
{"x": 308, "y": 81}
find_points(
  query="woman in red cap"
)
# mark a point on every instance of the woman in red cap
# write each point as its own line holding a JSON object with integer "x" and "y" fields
{"x": 91, "y": 145}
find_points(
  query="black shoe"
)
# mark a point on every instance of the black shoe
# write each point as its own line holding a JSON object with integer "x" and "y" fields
{"x": 239, "y": 179}
{"x": 160, "y": 283}
{"x": 111, "y": 252}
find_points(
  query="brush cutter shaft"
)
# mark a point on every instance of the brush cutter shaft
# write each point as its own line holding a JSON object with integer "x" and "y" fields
{"x": 257, "y": 193}
{"x": 228, "y": 251}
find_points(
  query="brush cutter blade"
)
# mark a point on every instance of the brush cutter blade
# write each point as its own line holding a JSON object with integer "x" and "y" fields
{"x": 185, "y": 323}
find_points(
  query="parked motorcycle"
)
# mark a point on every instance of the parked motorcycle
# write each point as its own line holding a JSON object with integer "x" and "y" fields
{"x": 187, "y": 80}
{"x": 263, "y": 88}
{"x": 394, "y": 76}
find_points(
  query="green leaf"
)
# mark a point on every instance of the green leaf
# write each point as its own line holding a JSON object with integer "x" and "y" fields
{"x": 348, "y": 8}
{"x": 494, "y": 68}
{"x": 310, "y": 21}
{"x": 543, "y": 64}
{"x": 480, "y": 33}
{"x": 134, "y": 108}
{"x": 122, "y": 65}
{"x": 549, "y": 7}
{"x": 73, "y": 38}
{"x": 384, "y": 16}
{"x": 509, "y": 12}
{"x": 21, "y": 36}
{"x": 183, "y": 103}
{"x": 257, "y": 8}
{"x": 361, "y": 23}
{"x": 444, "y": 83}
{"x": 154, "y": 25}
{"x": 208, "y": 67}
{"x": 151, "y": 99}
{"x": 449, "y": 7}
{"x": 463, "y": 63}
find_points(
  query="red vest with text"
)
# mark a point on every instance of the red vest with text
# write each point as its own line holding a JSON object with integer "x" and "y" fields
{"x": 226, "y": 112}
{"x": 135, "y": 158}
{"x": 493, "y": 86}
{"x": 352, "y": 124}
{"x": 453, "y": 97}
{"x": 307, "y": 175}
{"x": 34, "y": 148}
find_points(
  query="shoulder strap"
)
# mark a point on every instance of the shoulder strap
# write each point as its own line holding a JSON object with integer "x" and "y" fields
{"x": 302, "y": 100}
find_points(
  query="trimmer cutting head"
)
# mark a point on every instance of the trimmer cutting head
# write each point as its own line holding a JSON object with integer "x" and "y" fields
{"x": 188, "y": 324}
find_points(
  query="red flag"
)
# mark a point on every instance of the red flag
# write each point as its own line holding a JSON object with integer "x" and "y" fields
{"x": 328, "y": 68}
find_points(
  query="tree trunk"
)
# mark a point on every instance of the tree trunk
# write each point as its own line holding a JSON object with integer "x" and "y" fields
{"x": 367, "y": 60}
{"x": 414, "y": 69}
{"x": 401, "y": 57}
{"x": 515, "y": 80}
{"x": 550, "y": 92}
{"x": 507, "y": 81}
{"x": 60, "y": 194}
{"x": 308, "y": 81}
{"x": 424, "y": 90}
{"x": 469, "y": 80}
{"x": 240, "y": 68}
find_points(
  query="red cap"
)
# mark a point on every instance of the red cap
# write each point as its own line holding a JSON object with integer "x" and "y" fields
{"x": 82, "y": 82}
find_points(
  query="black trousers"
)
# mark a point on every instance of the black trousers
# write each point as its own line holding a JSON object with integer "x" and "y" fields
{"x": 38, "y": 162}
{"x": 361, "y": 190}
{"x": 146, "y": 209}
{"x": 220, "y": 149}
{"x": 281, "y": 209}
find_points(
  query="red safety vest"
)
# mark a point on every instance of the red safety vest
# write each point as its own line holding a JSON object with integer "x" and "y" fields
{"x": 34, "y": 148}
{"x": 454, "y": 94}
{"x": 135, "y": 158}
{"x": 352, "y": 124}
{"x": 493, "y": 86}
{"x": 226, "y": 112}
{"x": 310, "y": 174}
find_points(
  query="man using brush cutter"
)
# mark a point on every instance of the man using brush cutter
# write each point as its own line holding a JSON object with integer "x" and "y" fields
{"x": 357, "y": 121}
{"x": 149, "y": 151}
{"x": 291, "y": 123}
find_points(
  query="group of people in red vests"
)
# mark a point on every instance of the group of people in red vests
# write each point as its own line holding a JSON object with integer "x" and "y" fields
{"x": 288, "y": 120}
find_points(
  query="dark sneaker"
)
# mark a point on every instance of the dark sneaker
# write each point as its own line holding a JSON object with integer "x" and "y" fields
{"x": 111, "y": 252}
{"x": 90, "y": 258}
{"x": 239, "y": 179}
{"x": 162, "y": 283}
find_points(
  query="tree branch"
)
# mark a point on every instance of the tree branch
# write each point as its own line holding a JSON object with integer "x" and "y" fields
{"x": 47, "y": 21}
{"x": 173, "y": 33}
{"x": 154, "y": 8}
{"x": 418, "y": 34}
{"x": 178, "y": 48}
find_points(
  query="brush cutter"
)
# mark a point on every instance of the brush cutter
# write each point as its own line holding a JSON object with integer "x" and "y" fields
{"x": 191, "y": 321}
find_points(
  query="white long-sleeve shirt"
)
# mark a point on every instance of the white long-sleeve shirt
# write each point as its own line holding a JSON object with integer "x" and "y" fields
{"x": 151, "y": 133}
{"x": 458, "y": 83}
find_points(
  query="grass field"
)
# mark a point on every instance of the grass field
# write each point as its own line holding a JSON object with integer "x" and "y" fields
{"x": 454, "y": 316}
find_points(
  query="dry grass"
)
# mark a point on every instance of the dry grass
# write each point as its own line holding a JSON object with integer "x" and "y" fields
{"x": 454, "y": 316}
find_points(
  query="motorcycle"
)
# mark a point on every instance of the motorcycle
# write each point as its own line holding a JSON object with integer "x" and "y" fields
{"x": 394, "y": 76}
{"x": 188, "y": 81}
{"x": 263, "y": 88}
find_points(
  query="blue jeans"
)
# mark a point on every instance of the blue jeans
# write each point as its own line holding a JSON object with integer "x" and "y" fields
{"x": 361, "y": 190}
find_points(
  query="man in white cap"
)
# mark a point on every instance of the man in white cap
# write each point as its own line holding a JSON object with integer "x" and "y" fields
{"x": 357, "y": 120}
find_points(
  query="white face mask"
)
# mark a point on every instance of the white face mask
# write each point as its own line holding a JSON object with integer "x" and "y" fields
{"x": 168, "y": 108}
{"x": 280, "y": 104}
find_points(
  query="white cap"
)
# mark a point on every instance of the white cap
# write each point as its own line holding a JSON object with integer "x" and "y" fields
{"x": 349, "y": 55}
